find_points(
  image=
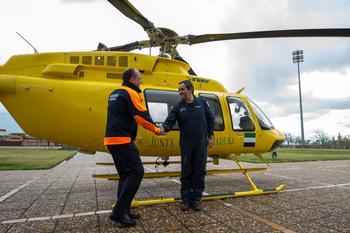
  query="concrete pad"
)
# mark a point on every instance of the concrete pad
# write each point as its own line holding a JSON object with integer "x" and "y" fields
{"x": 337, "y": 222}
{"x": 81, "y": 222}
{"x": 106, "y": 225}
{"x": 42, "y": 226}
{"x": 11, "y": 214}
{"x": 316, "y": 199}
{"x": 164, "y": 223}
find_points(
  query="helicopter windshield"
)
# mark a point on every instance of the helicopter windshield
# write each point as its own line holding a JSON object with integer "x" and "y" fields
{"x": 264, "y": 121}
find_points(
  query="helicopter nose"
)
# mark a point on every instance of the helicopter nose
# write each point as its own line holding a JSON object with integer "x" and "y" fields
{"x": 7, "y": 84}
{"x": 276, "y": 144}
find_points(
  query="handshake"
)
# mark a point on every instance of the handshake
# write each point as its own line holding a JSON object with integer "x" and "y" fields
{"x": 162, "y": 131}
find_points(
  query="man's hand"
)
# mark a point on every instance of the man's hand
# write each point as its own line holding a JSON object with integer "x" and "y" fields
{"x": 162, "y": 131}
{"x": 211, "y": 141}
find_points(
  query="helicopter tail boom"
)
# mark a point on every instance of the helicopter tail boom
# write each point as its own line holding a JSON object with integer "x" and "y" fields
{"x": 7, "y": 84}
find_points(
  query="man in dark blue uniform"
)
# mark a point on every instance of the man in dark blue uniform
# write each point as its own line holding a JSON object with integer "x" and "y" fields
{"x": 196, "y": 123}
{"x": 125, "y": 111}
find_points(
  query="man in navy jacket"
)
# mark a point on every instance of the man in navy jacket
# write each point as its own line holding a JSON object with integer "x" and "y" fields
{"x": 196, "y": 123}
{"x": 125, "y": 112}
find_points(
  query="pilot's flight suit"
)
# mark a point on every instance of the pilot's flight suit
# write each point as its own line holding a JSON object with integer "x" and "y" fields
{"x": 196, "y": 124}
{"x": 125, "y": 111}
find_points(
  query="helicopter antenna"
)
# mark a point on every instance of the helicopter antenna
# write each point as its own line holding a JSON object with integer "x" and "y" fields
{"x": 35, "y": 51}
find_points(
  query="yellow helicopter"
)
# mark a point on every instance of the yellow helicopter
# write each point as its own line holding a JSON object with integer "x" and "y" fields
{"x": 62, "y": 97}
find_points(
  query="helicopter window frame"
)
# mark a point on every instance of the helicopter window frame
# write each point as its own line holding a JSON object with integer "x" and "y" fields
{"x": 245, "y": 108}
{"x": 219, "y": 126}
{"x": 148, "y": 91}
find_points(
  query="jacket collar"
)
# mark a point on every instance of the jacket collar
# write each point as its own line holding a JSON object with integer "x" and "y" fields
{"x": 132, "y": 86}
{"x": 184, "y": 102}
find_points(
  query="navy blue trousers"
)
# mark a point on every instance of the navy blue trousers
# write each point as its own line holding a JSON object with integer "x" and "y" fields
{"x": 193, "y": 170}
{"x": 130, "y": 169}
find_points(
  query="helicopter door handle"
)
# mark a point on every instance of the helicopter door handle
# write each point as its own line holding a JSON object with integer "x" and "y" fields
{"x": 28, "y": 87}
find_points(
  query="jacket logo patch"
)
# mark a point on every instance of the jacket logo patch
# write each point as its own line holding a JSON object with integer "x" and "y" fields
{"x": 113, "y": 97}
{"x": 198, "y": 106}
{"x": 182, "y": 109}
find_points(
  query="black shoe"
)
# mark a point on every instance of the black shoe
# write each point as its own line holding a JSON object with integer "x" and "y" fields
{"x": 125, "y": 220}
{"x": 185, "y": 206}
{"x": 196, "y": 206}
{"x": 134, "y": 215}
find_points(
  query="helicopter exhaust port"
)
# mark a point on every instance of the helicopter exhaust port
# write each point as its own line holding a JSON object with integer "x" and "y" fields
{"x": 7, "y": 84}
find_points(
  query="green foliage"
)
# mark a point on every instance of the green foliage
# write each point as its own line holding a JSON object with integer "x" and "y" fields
{"x": 32, "y": 159}
{"x": 319, "y": 140}
{"x": 299, "y": 155}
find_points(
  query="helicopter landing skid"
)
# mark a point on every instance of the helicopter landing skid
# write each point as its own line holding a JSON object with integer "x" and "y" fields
{"x": 253, "y": 192}
{"x": 163, "y": 201}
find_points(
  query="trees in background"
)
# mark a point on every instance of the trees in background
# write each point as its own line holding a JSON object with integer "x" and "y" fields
{"x": 319, "y": 140}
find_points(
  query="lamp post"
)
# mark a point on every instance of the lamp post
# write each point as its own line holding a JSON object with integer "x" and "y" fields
{"x": 298, "y": 57}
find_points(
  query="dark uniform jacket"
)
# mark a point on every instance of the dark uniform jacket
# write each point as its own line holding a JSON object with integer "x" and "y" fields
{"x": 125, "y": 111}
{"x": 195, "y": 120}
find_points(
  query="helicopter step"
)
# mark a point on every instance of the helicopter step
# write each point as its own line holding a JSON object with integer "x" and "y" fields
{"x": 177, "y": 173}
{"x": 164, "y": 163}
{"x": 162, "y": 201}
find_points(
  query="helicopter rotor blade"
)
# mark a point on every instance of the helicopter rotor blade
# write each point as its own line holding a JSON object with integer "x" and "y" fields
{"x": 193, "y": 39}
{"x": 127, "y": 47}
{"x": 326, "y": 32}
{"x": 131, "y": 12}
{"x": 102, "y": 47}
{"x": 132, "y": 46}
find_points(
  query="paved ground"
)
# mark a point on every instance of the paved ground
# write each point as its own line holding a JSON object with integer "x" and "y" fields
{"x": 67, "y": 199}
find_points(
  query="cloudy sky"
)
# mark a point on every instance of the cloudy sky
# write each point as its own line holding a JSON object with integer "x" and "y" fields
{"x": 263, "y": 66}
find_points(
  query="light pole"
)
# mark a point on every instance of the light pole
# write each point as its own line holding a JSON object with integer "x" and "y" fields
{"x": 298, "y": 57}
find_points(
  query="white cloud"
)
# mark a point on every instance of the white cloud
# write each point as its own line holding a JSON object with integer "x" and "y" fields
{"x": 326, "y": 85}
{"x": 331, "y": 122}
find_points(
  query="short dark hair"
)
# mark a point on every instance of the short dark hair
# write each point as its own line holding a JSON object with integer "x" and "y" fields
{"x": 128, "y": 74}
{"x": 188, "y": 85}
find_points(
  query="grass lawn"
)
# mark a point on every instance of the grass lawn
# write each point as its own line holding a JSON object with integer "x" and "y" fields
{"x": 31, "y": 159}
{"x": 299, "y": 155}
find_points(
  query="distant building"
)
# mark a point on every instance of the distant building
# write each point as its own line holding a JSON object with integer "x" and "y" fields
{"x": 21, "y": 139}
{"x": 3, "y": 132}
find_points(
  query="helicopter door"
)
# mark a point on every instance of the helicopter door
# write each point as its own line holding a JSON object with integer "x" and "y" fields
{"x": 159, "y": 104}
{"x": 222, "y": 139}
{"x": 243, "y": 127}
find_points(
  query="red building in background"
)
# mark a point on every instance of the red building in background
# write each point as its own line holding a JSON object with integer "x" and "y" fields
{"x": 22, "y": 139}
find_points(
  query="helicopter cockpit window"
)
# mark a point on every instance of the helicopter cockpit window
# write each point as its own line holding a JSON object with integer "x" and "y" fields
{"x": 159, "y": 104}
{"x": 264, "y": 121}
{"x": 215, "y": 108}
{"x": 240, "y": 116}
